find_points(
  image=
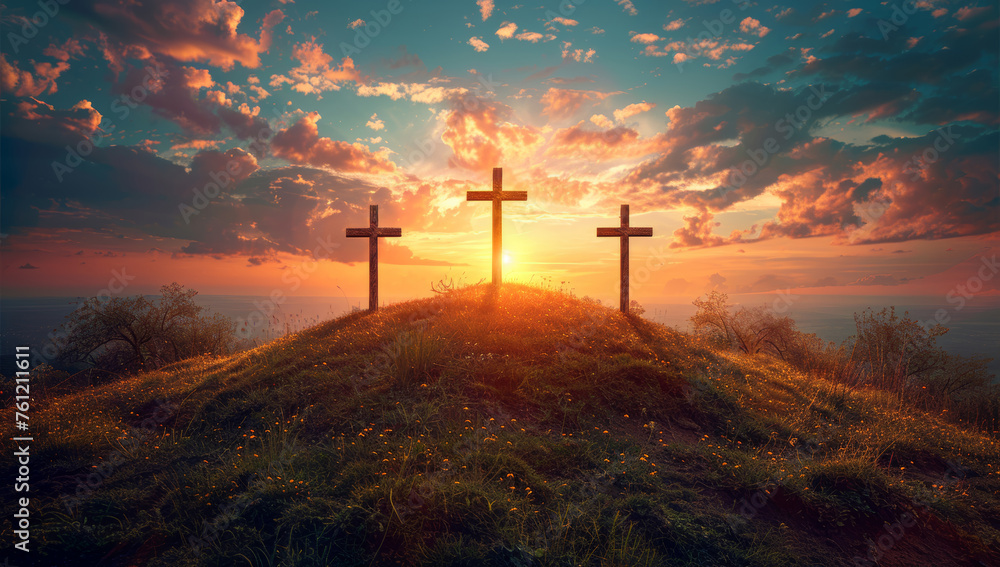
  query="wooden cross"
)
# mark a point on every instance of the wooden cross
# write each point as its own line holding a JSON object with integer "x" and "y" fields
{"x": 372, "y": 233}
{"x": 498, "y": 196}
{"x": 624, "y": 232}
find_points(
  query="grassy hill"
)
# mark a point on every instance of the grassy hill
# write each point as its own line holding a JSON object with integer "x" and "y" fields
{"x": 520, "y": 428}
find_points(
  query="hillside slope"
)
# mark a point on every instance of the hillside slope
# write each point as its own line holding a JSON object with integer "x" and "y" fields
{"x": 519, "y": 428}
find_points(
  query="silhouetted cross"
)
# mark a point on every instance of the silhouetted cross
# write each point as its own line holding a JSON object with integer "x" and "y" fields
{"x": 498, "y": 196}
{"x": 373, "y": 233}
{"x": 624, "y": 232}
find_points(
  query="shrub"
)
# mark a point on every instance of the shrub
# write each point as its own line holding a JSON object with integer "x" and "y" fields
{"x": 127, "y": 334}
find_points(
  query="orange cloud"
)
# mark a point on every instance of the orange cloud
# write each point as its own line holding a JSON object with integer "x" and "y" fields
{"x": 71, "y": 48}
{"x": 18, "y": 82}
{"x": 273, "y": 18}
{"x": 506, "y": 30}
{"x": 481, "y": 136}
{"x": 197, "y": 78}
{"x": 186, "y": 30}
{"x": 314, "y": 75}
{"x": 623, "y": 114}
{"x": 196, "y": 144}
{"x": 478, "y": 44}
{"x": 485, "y": 8}
{"x": 752, "y": 26}
{"x": 533, "y": 37}
{"x": 300, "y": 143}
{"x": 563, "y": 103}
{"x": 646, "y": 38}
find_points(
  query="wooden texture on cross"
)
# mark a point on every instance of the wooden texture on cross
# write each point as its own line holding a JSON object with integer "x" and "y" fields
{"x": 373, "y": 233}
{"x": 497, "y": 196}
{"x": 624, "y": 232}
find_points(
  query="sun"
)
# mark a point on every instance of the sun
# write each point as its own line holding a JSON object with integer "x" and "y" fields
{"x": 506, "y": 258}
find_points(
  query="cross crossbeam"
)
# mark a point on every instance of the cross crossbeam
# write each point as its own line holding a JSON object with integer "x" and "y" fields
{"x": 497, "y": 196}
{"x": 624, "y": 232}
{"x": 373, "y": 233}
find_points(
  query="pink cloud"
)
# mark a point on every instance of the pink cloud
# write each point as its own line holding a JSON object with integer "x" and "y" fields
{"x": 480, "y": 133}
{"x": 186, "y": 30}
{"x": 485, "y": 8}
{"x": 563, "y": 103}
{"x": 533, "y": 37}
{"x": 198, "y": 78}
{"x": 272, "y": 19}
{"x": 646, "y": 38}
{"x": 478, "y": 44}
{"x": 300, "y": 143}
{"x": 752, "y": 26}
{"x": 71, "y": 48}
{"x": 314, "y": 74}
{"x": 18, "y": 82}
{"x": 506, "y": 30}
{"x": 624, "y": 114}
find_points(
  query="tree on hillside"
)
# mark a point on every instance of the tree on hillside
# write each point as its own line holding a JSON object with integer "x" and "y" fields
{"x": 757, "y": 330}
{"x": 896, "y": 353}
{"x": 129, "y": 334}
{"x": 713, "y": 318}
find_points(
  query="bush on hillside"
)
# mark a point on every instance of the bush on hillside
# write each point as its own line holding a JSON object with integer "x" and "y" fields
{"x": 887, "y": 352}
{"x": 124, "y": 335}
{"x": 900, "y": 355}
{"x": 758, "y": 330}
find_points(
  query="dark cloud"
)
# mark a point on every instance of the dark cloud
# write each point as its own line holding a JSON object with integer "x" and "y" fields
{"x": 246, "y": 212}
{"x": 774, "y": 63}
{"x": 938, "y": 185}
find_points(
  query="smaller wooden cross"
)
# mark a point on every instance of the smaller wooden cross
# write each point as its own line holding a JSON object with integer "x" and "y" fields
{"x": 372, "y": 233}
{"x": 498, "y": 196}
{"x": 624, "y": 232}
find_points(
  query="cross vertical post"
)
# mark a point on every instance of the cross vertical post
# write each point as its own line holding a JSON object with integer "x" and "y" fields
{"x": 373, "y": 258}
{"x": 497, "y": 226}
{"x": 373, "y": 233}
{"x": 624, "y": 260}
{"x": 624, "y": 232}
{"x": 497, "y": 196}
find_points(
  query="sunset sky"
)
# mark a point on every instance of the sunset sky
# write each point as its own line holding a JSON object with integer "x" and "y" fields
{"x": 849, "y": 147}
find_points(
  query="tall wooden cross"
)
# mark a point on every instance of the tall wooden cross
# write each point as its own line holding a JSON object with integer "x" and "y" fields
{"x": 498, "y": 196}
{"x": 624, "y": 232}
{"x": 372, "y": 233}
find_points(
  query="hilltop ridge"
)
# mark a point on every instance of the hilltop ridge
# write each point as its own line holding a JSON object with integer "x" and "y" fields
{"x": 504, "y": 427}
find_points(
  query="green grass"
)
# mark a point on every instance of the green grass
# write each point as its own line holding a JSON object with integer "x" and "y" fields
{"x": 519, "y": 428}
